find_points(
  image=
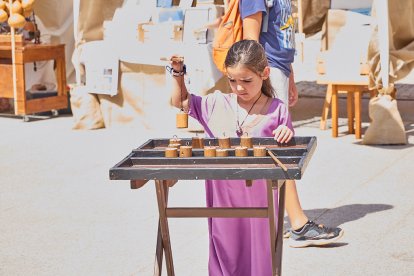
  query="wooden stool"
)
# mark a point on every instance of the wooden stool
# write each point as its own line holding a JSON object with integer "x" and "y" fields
{"x": 354, "y": 88}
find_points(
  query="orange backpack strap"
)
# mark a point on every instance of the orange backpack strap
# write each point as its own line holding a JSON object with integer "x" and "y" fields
{"x": 229, "y": 32}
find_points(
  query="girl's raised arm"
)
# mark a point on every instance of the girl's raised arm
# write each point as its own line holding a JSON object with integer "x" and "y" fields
{"x": 179, "y": 93}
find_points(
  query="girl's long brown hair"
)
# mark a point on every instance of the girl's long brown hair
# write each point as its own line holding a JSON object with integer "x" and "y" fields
{"x": 250, "y": 53}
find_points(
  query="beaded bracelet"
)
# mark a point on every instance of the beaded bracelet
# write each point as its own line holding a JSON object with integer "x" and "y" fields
{"x": 174, "y": 72}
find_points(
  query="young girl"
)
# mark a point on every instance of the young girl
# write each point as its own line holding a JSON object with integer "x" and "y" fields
{"x": 238, "y": 246}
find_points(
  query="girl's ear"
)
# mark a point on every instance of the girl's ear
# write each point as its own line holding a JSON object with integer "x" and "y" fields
{"x": 266, "y": 73}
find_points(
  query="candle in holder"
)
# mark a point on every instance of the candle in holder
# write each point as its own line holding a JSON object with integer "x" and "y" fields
{"x": 181, "y": 119}
{"x": 224, "y": 142}
{"x": 246, "y": 141}
{"x": 174, "y": 145}
{"x": 259, "y": 151}
{"x": 197, "y": 142}
{"x": 175, "y": 140}
{"x": 222, "y": 152}
{"x": 171, "y": 152}
{"x": 186, "y": 151}
{"x": 241, "y": 151}
{"x": 210, "y": 151}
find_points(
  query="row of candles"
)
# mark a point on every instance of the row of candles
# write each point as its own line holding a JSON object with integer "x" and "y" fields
{"x": 175, "y": 148}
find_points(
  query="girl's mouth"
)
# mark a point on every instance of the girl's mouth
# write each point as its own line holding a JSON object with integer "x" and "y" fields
{"x": 242, "y": 94}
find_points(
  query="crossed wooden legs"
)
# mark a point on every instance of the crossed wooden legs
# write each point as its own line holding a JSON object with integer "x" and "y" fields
{"x": 163, "y": 238}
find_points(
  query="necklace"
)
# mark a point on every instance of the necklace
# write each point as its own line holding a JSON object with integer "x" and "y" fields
{"x": 239, "y": 130}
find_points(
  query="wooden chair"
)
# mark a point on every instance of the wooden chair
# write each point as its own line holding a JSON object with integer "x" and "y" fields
{"x": 354, "y": 87}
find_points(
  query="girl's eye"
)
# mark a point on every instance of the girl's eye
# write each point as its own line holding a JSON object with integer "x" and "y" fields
{"x": 247, "y": 81}
{"x": 232, "y": 80}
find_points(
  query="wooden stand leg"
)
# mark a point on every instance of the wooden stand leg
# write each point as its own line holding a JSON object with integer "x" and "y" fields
{"x": 20, "y": 102}
{"x": 159, "y": 250}
{"x": 326, "y": 105}
{"x": 272, "y": 228}
{"x": 61, "y": 73}
{"x": 357, "y": 100}
{"x": 350, "y": 111}
{"x": 334, "y": 108}
{"x": 279, "y": 239}
{"x": 161, "y": 187}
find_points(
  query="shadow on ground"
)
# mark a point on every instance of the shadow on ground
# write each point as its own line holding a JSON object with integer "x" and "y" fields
{"x": 343, "y": 214}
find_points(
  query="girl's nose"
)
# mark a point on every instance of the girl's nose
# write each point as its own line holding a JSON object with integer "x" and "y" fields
{"x": 239, "y": 87}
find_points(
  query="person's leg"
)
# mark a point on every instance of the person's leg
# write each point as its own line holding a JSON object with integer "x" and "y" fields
{"x": 293, "y": 208}
{"x": 304, "y": 232}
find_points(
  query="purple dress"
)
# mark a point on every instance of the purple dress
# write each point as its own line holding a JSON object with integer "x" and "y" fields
{"x": 238, "y": 246}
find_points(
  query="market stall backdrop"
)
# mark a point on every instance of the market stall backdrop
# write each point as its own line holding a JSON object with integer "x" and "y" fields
{"x": 55, "y": 22}
{"x": 92, "y": 30}
{"x": 111, "y": 37}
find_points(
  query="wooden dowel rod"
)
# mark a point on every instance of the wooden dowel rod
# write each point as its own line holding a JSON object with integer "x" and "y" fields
{"x": 14, "y": 73}
{"x": 177, "y": 59}
{"x": 277, "y": 160}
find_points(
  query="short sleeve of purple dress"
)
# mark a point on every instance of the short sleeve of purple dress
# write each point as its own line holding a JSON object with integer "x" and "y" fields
{"x": 238, "y": 246}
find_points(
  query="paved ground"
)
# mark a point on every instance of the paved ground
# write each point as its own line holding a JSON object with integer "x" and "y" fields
{"x": 61, "y": 215}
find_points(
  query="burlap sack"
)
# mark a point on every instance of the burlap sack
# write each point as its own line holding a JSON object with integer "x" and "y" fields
{"x": 85, "y": 109}
{"x": 142, "y": 99}
{"x": 314, "y": 13}
{"x": 386, "y": 126}
{"x": 401, "y": 45}
{"x": 92, "y": 14}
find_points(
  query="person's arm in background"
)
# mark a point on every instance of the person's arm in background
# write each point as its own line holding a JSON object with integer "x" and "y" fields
{"x": 252, "y": 25}
{"x": 293, "y": 92}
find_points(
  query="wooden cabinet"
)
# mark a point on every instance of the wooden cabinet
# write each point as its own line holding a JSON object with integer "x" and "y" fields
{"x": 32, "y": 53}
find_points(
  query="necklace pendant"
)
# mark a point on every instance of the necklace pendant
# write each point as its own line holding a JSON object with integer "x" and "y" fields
{"x": 239, "y": 132}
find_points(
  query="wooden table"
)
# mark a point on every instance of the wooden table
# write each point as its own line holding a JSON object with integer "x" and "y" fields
{"x": 354, "y": 86}
{"x": 148, "y": 163}
{"x": 32, "y": 53}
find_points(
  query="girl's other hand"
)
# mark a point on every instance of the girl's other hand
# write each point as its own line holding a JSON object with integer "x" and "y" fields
{"x": 282, "y": 134}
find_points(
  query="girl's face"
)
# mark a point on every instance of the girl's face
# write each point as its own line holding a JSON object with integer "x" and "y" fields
{"x": 245, "y": 83}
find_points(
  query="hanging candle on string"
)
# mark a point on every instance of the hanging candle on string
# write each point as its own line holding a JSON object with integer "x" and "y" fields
{"x": 181, "y": 119}
{"x": 182, "y": 116}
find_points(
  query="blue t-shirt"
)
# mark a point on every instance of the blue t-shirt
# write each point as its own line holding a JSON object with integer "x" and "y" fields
{"x": 278, "y": 41}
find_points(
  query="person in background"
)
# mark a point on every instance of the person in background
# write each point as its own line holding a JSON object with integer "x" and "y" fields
{"x": 278, "y": 41}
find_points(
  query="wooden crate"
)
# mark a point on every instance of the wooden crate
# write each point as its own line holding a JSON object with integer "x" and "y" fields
{"x": 6, "y": 80}
{"x": 5, "y": 39}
